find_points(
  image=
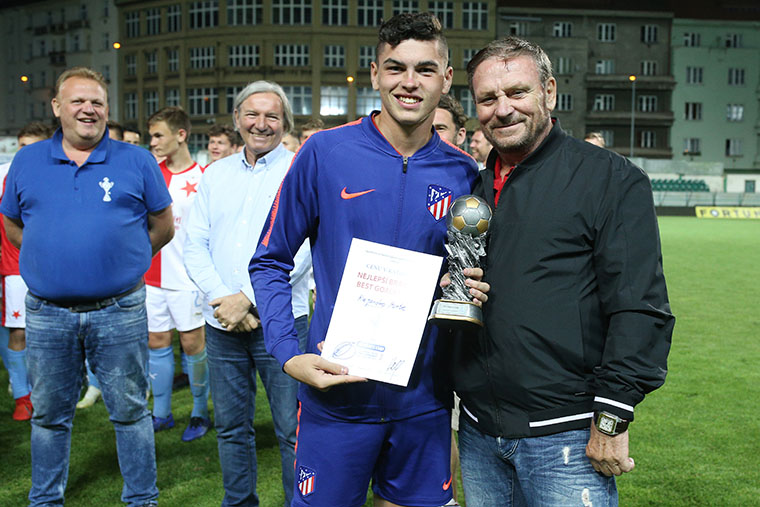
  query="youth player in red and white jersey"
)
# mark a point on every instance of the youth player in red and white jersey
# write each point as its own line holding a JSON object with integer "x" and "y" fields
{"x": 14, "y": 289}
{"x": 173, "y": 301}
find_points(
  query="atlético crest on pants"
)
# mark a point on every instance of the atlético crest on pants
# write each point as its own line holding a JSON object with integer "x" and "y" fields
{"x": 438, "y": 201}
{"x": 306, "y": 477}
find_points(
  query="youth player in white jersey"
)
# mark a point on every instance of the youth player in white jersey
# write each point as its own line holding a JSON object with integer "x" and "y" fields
{"x": 173, "y": 300}
{"x": 13, "y": 309}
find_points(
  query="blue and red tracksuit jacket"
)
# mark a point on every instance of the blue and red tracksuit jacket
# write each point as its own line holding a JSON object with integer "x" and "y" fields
{"x": 345, "y": 183}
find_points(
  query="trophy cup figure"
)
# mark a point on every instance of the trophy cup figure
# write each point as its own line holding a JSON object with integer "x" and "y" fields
{"x": 467, "y": 224}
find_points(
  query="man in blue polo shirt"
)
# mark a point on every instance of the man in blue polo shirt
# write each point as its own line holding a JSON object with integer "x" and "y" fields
{"x": 91, "y": 213}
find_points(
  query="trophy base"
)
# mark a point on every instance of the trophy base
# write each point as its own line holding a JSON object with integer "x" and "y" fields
{"x": 452, "y": 313}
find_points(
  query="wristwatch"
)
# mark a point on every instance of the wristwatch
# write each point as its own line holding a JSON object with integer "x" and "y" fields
{"x": 610, "y": 424}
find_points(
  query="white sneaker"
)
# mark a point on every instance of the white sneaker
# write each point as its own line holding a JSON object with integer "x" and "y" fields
{"x": 10, "y": 389}
{"x": 89, "y": 398}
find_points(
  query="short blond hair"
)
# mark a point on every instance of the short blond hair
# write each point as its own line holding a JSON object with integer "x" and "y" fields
{"x": 84, "y": 72}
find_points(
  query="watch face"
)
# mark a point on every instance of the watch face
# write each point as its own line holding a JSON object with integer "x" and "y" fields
{"x": 606, "y": 424}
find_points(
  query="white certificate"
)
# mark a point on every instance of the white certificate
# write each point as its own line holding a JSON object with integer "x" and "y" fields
{"x": 381, "y": 311}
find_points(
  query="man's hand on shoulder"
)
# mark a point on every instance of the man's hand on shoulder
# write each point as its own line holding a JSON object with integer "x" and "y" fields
{"x": 319, "y": 373}
{"x": 232, "y": 310}
{"x": 609, "y": 455}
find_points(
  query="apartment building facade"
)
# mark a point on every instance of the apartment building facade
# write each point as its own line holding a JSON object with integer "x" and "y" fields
{"x": 43, "y": 38}
{"x": 612, "y": 69}
{"x": 200, "y": 54}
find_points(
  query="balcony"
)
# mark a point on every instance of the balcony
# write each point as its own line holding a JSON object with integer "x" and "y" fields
{"x": 621, "y": 82}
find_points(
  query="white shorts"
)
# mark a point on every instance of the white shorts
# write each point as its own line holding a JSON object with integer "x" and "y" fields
{"x": 173, "y": 309}
{"x": 14, "y": 307}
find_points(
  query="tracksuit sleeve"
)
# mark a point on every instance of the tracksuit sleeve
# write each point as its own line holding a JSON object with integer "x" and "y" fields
{"x": 633, "y": 295}
{"x": 291, "y": 220}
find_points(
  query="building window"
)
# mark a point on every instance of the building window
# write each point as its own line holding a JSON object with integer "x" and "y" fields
{"x": 106, "y": 73}
{"x": 564, "y": 65}
{"x": 562, "y": 29}
{"x": 691, "y": 146}
{"x": 467, "y": 55}
{"x": 333, "y": 100}
{"x": 733, "y": 147}
{"x": 197, "y": 142}
{"x": 174, "y": 18}
{"x": 202, "y": 101}
{"x": 605, "y": 32}
{"x": 370, "y": 12}
{"x": 172, "y": 96}
{"x": 244, "y": 12}
{"x": 133, "y": 24}
{"x": 335, "y": 56}
{"x": 202, "y": 58}
{"x": 366, "y": 56}
{"x": 335, "y": 12}
{"x": 692, "y": 40}
{"x": 465, "y": 98}
{"x": 151, "y": 102}
{"x": 291, "y": 12}
{"x": 736, "y": 77}
{"x": 130, "y": 106}
{"x": 649, "y": 34}
{"x": 106, "y": 41}
{"x": 605, "y": 66}
{"x": 734, "y": 40}
{"x": 204, "y": 14}
{"x": 75, "y": 47}
{"x": 518, "y": 28}
{"x": 749, "y": 186}
{"x": 609, "y": 137}
{"x": 735, "y": 112}
{"x": 367, "y": 100}
{"x": 42, "y": 46}
{"x": 564, "y": 102}
{"x": 648, "y": 103}
{"x": 604, "y": 102}
{"x": 475, "y": 15}
{"x": 131, "y": 61}
{"x": 291, "y": 55}
{"x": 404, "y": 6}
{"x": 151, "y": 62}
{"x": 648, "y": 139}
{"x": 300, "y": 99}
{"x": 232, "y": 92}
{"x": 648, "y": 68}
{"x": 243, "y": 56}
{"x": 153, "y": 21}
{"x": 444, "y": 11}
{"x": 172, "y": 58}
{"x": 694, "y": 75}
{"x": 693, "y": 111}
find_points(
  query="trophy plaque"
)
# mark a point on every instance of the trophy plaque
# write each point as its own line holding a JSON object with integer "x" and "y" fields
{"x": 466, "y": 226}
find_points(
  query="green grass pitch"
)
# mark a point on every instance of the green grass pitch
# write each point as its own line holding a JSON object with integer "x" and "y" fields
{"x": 696, "y": 441}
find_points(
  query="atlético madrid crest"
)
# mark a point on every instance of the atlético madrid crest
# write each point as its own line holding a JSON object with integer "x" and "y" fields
{"x": 438, "y": 201}
{"x": 306, "y": 477}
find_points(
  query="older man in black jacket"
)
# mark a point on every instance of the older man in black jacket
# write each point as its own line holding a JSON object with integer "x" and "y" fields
{"x": 578, "y": 325}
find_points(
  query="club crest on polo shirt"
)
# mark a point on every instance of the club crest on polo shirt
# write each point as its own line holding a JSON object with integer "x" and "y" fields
{"x": 106, "y": 185}
{"x": 438, "y": 201}
{"x": 306, "y": 478}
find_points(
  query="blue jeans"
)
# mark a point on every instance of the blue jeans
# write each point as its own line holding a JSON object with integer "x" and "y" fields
{"x": 552, "y": 470}
{"x": 233, "y": 359}
{"x": 115, "y": 342}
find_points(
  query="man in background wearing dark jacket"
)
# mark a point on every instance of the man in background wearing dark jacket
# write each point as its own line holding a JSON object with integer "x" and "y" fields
{"x": 578, "y": 325}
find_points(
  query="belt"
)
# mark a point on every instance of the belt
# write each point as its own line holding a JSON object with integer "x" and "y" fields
{"x": 89, "y": 306}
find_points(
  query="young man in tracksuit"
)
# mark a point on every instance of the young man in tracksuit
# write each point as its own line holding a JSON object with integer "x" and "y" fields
{"x": 577, "y": 325}
{"x": 377, "y": 179}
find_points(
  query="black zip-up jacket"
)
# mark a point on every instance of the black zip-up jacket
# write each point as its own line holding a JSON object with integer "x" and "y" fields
{"x": 578, "y": 317}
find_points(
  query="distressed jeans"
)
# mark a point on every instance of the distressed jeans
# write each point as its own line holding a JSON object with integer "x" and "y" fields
{"x": 233, "y": 359}
{"x": 115, "y": 342}
{"x": 546, "y": 471}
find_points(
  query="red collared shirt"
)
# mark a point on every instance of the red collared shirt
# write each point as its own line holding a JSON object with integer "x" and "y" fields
{"x": 499, "y": 181}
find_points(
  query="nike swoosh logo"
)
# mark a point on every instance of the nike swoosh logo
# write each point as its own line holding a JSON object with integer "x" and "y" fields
{"x": 347, "y": 195}
{"x": 447, "y": 484}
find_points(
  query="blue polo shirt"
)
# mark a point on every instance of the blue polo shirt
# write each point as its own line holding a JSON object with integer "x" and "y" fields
{"x": 85, "y": 228}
